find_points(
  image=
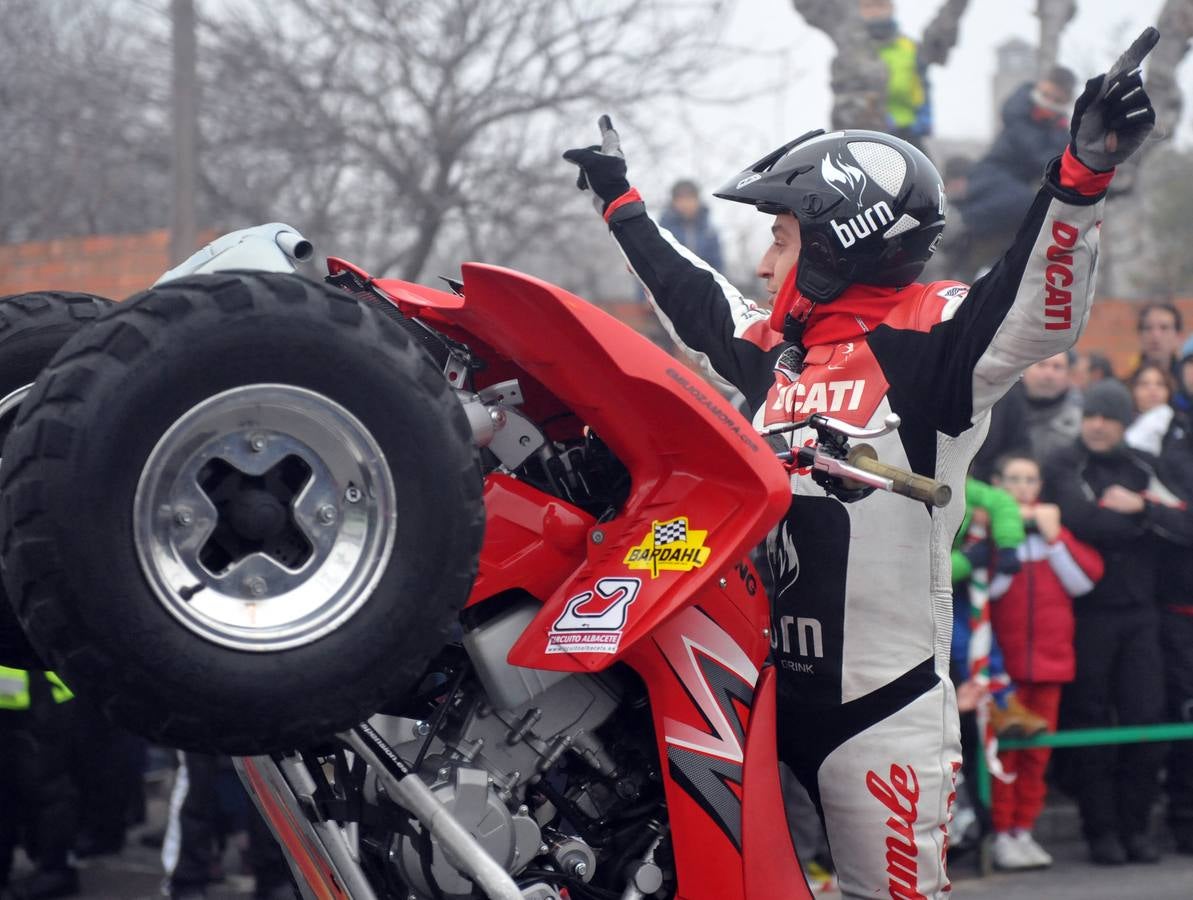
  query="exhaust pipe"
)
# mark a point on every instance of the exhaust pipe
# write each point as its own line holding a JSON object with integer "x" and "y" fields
{"x": 294, "y": 245}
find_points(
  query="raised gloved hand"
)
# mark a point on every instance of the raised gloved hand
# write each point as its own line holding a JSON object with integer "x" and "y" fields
{"x": 1114, "y": 115}
{"x": 602, "y": 167}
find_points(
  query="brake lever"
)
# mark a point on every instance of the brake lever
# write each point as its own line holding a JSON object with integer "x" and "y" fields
{"x": 890, "y": 423}
{"x": 854, "y": 432}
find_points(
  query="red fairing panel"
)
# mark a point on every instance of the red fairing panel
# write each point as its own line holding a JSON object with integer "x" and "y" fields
{"x": 705, "y": 486}
{"x": 716, "y": 740}
{"x": 769, "y": 861}
{"x": 532, "y": 541}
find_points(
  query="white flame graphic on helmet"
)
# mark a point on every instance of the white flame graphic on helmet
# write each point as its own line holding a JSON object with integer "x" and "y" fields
{"x": 842, "y": 174}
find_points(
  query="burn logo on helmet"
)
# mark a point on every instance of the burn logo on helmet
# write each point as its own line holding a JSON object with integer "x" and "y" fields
{"x": 864, "y": 224}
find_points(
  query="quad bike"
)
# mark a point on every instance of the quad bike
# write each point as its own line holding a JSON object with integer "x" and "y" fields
{"x": 461, "y": 577}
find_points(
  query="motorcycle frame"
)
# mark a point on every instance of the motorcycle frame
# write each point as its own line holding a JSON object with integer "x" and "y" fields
{"x": 698, "y": 637}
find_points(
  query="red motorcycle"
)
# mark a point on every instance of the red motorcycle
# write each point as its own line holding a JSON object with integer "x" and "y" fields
{"x": 243, "y": 511}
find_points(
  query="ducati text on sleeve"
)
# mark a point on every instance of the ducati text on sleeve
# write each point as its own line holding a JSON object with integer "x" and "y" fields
{"x": 1058, "y": 277}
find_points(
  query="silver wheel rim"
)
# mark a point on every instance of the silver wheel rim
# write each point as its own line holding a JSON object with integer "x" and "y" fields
{"x": 9, "y": 404}
{"x": 190, "y": 536}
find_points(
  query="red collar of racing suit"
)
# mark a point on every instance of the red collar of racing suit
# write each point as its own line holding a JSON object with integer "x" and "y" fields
{"x": 855, "y": 313}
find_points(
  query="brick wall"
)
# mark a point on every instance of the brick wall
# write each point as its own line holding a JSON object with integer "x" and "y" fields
{"x": 1111, "y": 330}
{"x": 113, "y": 266}
{"x": 117, "y": 266}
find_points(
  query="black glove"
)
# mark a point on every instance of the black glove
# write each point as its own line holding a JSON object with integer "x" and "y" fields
{"x": 603, "y": 167}
{"x": 1114, "y": 114}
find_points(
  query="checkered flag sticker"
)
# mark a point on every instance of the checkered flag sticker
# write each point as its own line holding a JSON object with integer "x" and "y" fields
{"x": 673, "y": 532}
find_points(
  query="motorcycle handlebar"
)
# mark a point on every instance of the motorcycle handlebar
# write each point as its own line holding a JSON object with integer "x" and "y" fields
{"x": 909, "y": 484}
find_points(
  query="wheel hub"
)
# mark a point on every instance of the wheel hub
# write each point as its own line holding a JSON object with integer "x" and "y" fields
{"x": 255, "y": 514}
{"x": 265, "y": 517}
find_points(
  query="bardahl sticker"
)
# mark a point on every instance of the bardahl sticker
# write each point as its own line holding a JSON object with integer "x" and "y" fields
{"x": 669, "y": 546}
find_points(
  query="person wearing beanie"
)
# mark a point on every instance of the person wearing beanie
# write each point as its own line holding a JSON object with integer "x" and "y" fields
{"x": 1107, "y": 400}
{"x": 1130, "y": 508}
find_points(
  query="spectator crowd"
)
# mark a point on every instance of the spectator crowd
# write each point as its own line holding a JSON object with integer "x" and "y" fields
{"x": 1090, "y": 606}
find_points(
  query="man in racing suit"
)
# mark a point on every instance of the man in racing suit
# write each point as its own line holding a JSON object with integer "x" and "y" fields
{"x": 861, "y": 617}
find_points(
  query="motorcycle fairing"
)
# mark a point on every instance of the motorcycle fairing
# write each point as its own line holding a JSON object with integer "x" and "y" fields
{"x": 713, "y": 706}
{"x": 769, "y": 862}
{"x": 533, "y": 541}
{"x": 697, "y": 636}
{"x": 689, "y": 453}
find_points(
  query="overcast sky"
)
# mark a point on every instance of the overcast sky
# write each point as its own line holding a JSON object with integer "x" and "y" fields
{"x": 711, "y": 144}
{"x": 1101, "y": 29}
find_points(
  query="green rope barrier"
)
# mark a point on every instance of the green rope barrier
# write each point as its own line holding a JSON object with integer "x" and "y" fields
{"x": 982, "y": 772}
{"x": 1085, "y": 737}
{"x": 1080, "y": 737}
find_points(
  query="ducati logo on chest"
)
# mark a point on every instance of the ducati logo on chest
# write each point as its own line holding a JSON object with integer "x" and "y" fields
{"x": 821, "y": 396}
{"x": 842, "y": 379}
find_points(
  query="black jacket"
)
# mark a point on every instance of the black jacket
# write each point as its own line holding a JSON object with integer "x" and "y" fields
{"x": 1132, "y": 546}
{"x": 1002, "y": 184}
{"x": 1176, "y": 562}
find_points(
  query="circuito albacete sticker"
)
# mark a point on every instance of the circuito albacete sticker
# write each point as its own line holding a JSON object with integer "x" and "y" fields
{"x": 592, "y": 621}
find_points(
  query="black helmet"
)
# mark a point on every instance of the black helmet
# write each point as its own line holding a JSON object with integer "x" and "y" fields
{"x": 870, "y": 207}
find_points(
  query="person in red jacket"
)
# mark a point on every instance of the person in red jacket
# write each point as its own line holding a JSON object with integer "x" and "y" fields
{"x": 1032, "y": 618}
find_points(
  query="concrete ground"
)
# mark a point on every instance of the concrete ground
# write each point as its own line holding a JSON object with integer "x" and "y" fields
{"x": 1073, "y": 877}
{"x": 135, "y": 873}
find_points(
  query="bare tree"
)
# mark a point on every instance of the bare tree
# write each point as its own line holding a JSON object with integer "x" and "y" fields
{"x": 184, "y": 102}
{"x": 1054, "y": 15}
{"x": 416, "y": 132}
{"x": 1175, "y": 23}
{"x": 1167, "y": 192}
{"x": 858, "y": 77}
{"x": 415, "y": 126}
{"x": 82, "y": 134}
{"x": 1141, "y": 253}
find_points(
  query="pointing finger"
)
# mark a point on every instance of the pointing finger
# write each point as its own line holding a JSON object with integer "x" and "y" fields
{"x": 1133, "y": 57}
{"x": 610, "y": 142}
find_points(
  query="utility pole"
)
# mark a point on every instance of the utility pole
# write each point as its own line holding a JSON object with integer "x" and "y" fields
{"x": 183, "y": 228}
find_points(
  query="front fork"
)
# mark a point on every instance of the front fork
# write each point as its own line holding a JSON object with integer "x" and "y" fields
{"x": 323, "y": 862}
{"x": 324, "y": 856}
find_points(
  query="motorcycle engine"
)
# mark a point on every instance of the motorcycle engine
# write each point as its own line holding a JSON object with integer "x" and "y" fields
{"x": 504, "y": 733}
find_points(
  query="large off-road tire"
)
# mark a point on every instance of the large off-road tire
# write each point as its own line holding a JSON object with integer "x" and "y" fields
{"x": 33, "y": 327}
{"x": 240, "y": 512}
